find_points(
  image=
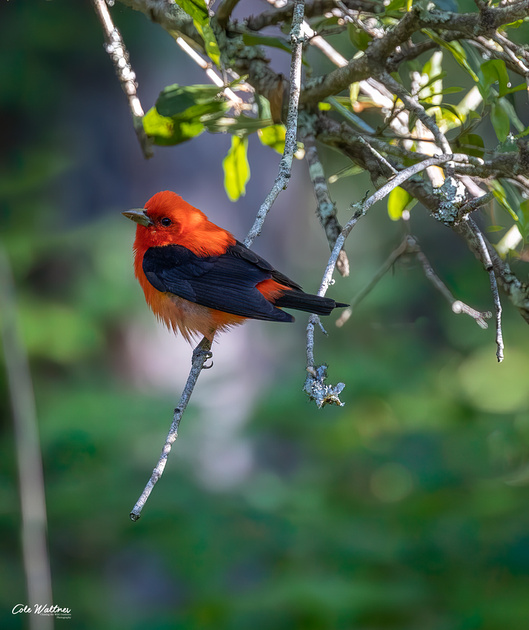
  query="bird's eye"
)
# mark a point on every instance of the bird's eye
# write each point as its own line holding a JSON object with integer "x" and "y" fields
{"x": 165, "y": 221}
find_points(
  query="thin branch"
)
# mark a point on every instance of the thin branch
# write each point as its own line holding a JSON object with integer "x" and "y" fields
{"x": 115, "y": 47}
{"x": 202, "y": 352}
{"x": 413, "y": 105}
{"x": 409, "y": 245}
{"x": 315, "y": 385}
{"x": 29, "y": 458}
{"x": 474, "y": 204}
{"x": 388, "y": 264}
{"x": 363, "y": 207}
{"x": 213, "y": 76}
{"x": 326, "y": 208}
{"x": 489, "y": 268}
{"x": 200, "y": 355}
{"x": 285, "y": 165}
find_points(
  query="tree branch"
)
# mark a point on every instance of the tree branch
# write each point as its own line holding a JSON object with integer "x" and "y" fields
{"x": 326, "y": 208}
{"x": 28, "y": 453}
{"x": 285, "y": 165}
{"x": 115, "y": 47}
{"x": 200, "y": 355}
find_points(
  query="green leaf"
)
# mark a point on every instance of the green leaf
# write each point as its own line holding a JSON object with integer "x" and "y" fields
{"x": 500, "y": 121}
{"x": 358, "y": 36}
{"x": 471, "y": 144}
{"x": 166, "y": 131}
{"x": 398, "y": 201}
{"x": 433, "y": 68}
{"x": 501, "y": 197}
{"x": 274, "y": 137}
{"x": 241, "y": 125}
{"x": 236, "y": 168}
{"x": 493, "y": 71}
{"x": 253, "y": 39}
{"x": 210, "y": 41}
{"x": 395, "y": 5}
{"x": 511, "y": 114}
{"x": 495, "y": 228}
{"x": 348, "y": 171}
{"x": 458, "y": 52}
{"x": 190, "y": 102}
{"x": 197, "y": 9}
{"x": 354, "y": 91}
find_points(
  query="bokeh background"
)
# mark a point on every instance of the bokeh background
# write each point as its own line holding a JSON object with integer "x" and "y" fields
{"x": 407, "y": 509}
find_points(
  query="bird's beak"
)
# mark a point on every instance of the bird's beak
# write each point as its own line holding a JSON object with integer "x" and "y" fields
{"x": 138, "y": 216}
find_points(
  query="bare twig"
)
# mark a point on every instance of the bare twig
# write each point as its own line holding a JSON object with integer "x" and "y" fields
{"x": 474, "y": 204}
{"x": 200, "y": 355}
{"x": 489, "y": 268}
{"x": 285, "y": 165}
{"x": 409, "y": 245}
{"x": 326, "y": 209}
{"x": 314, "y": 385}
{"x": 412, "y": 103}
{"x": 29, "y": 459}
{"x": 388, "y": 264}
{"x": 115, "y": 47}
{"x": 457, "y": 305}
{"x": 210, "y": 72}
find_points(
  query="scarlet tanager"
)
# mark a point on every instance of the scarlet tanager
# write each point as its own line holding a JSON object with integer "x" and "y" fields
{"x": 198, "y": 279}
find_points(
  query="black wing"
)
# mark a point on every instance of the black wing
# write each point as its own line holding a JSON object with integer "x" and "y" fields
{"x": 226, "y": 282}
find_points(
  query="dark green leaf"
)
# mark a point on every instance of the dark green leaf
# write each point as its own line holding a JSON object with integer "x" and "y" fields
{"x": 472, "y": 144}
{"x": 500, "y": 121}
{"x": 254, "y": 39}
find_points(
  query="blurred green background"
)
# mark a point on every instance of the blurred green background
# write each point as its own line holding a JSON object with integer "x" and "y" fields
{"x": 406, "y": 509}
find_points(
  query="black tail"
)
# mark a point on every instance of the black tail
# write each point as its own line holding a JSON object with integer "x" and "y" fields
{"x": 306, "y": 302}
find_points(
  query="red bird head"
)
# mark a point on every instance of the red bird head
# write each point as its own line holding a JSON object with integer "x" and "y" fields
{"x": 169, "y": 220}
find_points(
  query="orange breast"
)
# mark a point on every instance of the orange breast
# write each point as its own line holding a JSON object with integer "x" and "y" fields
{"x": 188, "y": 318}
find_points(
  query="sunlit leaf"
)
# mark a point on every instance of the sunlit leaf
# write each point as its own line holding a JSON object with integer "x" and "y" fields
{"x": 433, "y": 67}
{"x": 197, "y": 9}
{"x": 398, "y": 201}
{"x": 210, "y": 41}
{"x": 236, "y": 168}
{"x": 273, "y": 136}
{"x": 457, "y": 50}
{"x": 166, "y": 131}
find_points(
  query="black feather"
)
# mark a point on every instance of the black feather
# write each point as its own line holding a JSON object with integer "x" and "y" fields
{"x": 228, "y": 282}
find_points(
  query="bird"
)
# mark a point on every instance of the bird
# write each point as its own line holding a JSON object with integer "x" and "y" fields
{"x": 198, "y": 279}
